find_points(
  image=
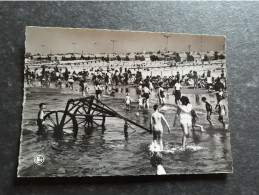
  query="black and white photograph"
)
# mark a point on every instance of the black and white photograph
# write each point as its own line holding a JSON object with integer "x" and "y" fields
{"x": 123, "y": 103}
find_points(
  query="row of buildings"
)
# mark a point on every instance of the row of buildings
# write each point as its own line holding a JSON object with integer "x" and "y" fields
{"x": 173, "y": 56}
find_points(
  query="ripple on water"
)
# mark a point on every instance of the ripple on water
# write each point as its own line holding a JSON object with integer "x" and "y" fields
{"x": 98, "y": 152}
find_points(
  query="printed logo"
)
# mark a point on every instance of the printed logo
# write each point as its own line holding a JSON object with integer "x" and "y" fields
{"x": 39, "y": 160}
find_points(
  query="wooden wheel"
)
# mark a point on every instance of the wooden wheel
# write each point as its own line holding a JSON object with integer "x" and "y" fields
{"x": 60, "y": 122}
{"x": 83, "y": 117}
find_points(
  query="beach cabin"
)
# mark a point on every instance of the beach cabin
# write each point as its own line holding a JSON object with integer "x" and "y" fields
{"x": 170, "y": 57}
{"x": 131, "y": 57}
{"x": 221, "y": 55}
{"x": 146, "y": 57}
{"x": 112, "y": 57}
{"x": 45, "y": 58}
{"x": 51, "y": 58}
{"x": 182, "y": 57}
{"x": 210, "y": 56}
{"x": 190, "y": 57}
{"x": 196, "y": 57}
{"x": 141, "y": 57}
{"x": 88, "y": 56}
{"x": 160, "y": 57}
{"x": 57, "y": 57}
{"x": 95, "y": 56}
{"x": 77, "y": 56}
{"x": 67, "y": 57}
{"x": 137, "y": 57}
{"x": 123, "y": 57}
{"x": 35, "y": 58}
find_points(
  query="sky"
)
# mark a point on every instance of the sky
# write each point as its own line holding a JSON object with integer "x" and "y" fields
{"x": 60, "y": 40}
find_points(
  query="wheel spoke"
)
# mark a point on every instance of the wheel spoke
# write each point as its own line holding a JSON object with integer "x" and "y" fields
{"x": 81, "y": 122}
{"x": 52, "y": 120}
{"x": 79, "y": 111}
{"x": 51, "y": 126}
{"x": 67, "y": 121}
{"x": 84, "y": 110}
{"x": 68, "y": 127}
{"x": 57, "y": 118}
{"x": 96, "y": 123}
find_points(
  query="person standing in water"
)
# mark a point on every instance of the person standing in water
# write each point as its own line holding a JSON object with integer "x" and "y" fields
{"x": 146, "y": 94}
{"x": 194, "y": 120}
{"x": 83, "y": 87}
{"x": 161, "y": 95}
{"x": 98, "y": 91}
{"x": 157, "y": 127}
{"x": 128, "y": 101}
{"x": 223, "y": 110}
{"x": 208, "y": 109}
{"x": 177, "y": 92}
{"x": 40, "y": 120}
{"x": 184, "y": 113}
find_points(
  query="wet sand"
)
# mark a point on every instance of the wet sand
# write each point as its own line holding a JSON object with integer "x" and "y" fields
{"x": 98, "y": 151}
{"x": 148, "y": 69}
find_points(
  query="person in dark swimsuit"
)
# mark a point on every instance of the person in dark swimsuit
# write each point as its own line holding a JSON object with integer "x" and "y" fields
{"x": 161, "y": 95}
{"x": 208, "y": 109}
{"x": 146, "y": 93}
{"x": 98, "y": 91}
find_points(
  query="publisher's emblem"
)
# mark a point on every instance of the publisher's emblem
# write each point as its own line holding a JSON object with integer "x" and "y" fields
{"x": 39, "y": 160}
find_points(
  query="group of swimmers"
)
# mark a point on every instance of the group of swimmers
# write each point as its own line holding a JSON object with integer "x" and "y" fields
{"x": 188, "y": 118}
{"x": 185, "y": 112}
{"x": 187, "y": 115}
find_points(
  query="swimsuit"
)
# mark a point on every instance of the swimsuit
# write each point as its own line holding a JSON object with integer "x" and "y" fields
{"x": 185, "y": 114}
{"x": 162, "y": 95}
{"x": 146, "y": 95}
{"x": 127, "y": 100}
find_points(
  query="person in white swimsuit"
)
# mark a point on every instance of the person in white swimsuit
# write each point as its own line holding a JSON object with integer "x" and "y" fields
{"x": 223, "y": 110}
{"x": 157, "y": 127}
{"x": 184, "y": 113}
{"x": 128, "y": 101}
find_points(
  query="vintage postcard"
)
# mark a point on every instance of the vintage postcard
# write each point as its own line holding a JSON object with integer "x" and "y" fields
{"x": 107, "y": 103}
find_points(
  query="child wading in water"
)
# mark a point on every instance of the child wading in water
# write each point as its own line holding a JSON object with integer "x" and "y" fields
{"x": 40, "y": 120}
{"x": 208, "y": 109}
{"x": 194, "y": 119}
{"x": 128, "y": 101}
{"x": 140, "y": 102}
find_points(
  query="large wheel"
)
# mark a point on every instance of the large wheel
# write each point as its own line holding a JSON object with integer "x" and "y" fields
{"x": 61, "y": 122}
{"x": 83, "y": 117}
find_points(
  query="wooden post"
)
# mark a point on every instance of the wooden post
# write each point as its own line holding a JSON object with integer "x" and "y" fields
{"x": 126, "y": 130}
{"x": 103, "y": 123}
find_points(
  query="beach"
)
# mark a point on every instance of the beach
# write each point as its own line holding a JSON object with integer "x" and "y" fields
{"x": 100, "y": 152}
{"x": 157, "y": 68}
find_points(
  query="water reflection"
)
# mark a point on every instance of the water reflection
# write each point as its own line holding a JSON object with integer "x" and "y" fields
{"x": 99, "y": 151}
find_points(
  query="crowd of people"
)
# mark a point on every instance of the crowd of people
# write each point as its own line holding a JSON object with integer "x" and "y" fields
{"x": 117, "y": 77}
{"x": 110, "y": 78}
{"x": 187, "y": 117}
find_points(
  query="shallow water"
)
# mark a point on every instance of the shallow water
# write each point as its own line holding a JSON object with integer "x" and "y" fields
{"x": 150, "y": 68}
{"x": 99, "y": 151}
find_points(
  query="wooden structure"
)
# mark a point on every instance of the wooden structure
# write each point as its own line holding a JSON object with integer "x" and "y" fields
{"x": 82, "y": 112}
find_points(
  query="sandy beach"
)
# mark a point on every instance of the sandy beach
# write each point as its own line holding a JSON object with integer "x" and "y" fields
{"x": 160, "y": 68}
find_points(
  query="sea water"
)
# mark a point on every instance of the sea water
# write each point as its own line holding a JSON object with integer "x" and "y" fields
{"x": 105, "y": 151}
